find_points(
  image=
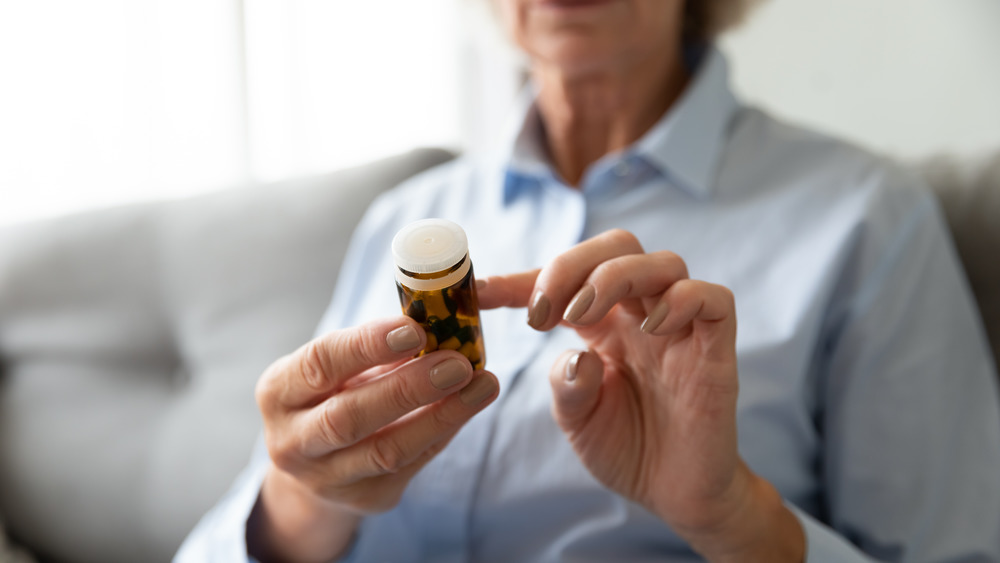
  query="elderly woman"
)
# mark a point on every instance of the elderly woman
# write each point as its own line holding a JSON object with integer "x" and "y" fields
{"x": 636, "y": 209}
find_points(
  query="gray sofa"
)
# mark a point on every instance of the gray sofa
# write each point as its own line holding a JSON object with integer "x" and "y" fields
{"x": 130, "y": 342}
{"x": 131, "y": 338}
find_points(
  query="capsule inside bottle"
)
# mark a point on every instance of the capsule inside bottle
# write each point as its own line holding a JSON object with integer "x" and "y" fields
{"x": 437, "y": 287}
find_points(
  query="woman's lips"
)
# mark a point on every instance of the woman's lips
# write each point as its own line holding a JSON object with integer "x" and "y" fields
{"x": 567, "y": 4}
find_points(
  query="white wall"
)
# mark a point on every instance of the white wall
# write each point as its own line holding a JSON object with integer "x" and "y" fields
{"x": 907, "y": 77}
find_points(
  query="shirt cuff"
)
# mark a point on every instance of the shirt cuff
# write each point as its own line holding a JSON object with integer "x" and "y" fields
{"x": 221, "y": 533}
{"x": 823, "y": 544}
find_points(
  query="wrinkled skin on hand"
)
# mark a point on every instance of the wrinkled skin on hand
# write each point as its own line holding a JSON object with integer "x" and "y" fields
{"x": 650, "y": 407}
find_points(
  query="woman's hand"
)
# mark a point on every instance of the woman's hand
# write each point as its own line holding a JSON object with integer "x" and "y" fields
{"x": 349, "y": 419}
{"x": 650, "y": 409}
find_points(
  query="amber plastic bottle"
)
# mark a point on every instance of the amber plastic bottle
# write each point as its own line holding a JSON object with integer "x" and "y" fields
{"x": 437, "y": 287}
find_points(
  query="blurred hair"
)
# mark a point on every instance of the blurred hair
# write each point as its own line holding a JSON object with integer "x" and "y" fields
{"x": 705, "y": 19}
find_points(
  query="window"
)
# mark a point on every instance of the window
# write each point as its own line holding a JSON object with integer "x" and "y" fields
{"x": 112, "y": 101}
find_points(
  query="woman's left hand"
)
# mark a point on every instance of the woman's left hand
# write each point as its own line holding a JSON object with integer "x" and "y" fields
{"x": 650, "y": 409}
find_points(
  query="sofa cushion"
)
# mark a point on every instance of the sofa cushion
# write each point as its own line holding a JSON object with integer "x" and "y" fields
{"x": 130, "y": 341}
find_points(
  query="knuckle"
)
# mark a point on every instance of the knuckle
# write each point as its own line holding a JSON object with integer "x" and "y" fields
{"x": 337, "y": 425}
{"x": 727, "y": 295}
{"x": 402, "y": 396}
{"x": 675, "y": 262}
{"x": 270, "y": 386}
{"x": 610, "y": 270}
{"x": 560, "y": 266}
{"x": 623, "y": 238}
{"x": 687, "y": 288}
{"x": 615, "y": 278}
{"x": 263, "y": 392}
{"x": 282, "y": 458}
{"x": 360, "y": 345}
{"x": 282, "y": 455}
{"x": 313, "y": 365}
{"x": 367, "y": 347}
{"x": 445, "y": 419}
{"x": 386, "y": 456}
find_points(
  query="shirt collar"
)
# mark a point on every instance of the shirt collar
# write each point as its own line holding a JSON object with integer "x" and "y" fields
{"x": 524, "y": 159}
{"x": 685, "y": 145}
{"x": 687, "y": 142}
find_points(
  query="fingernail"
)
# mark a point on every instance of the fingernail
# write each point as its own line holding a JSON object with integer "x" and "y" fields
{"x": 402, "y": 339}
{"x": 538, "y": 311}
{"x": 480, "y": 284}
{"x": 655, "y": 318}
{"x": 579, "y": 305}
{"x": 448, "y": 373}
{"x": 572, "y": 367}
{"x": 478, "y": 390}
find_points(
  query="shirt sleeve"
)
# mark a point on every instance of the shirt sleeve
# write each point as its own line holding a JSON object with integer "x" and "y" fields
{"x": 909, "y": 415}
{"x": 221, "y": 533}
{"x": 825, "y": 544}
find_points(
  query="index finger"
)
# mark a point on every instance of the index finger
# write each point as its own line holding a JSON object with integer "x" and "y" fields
{"x": 562, "y": 278}
{"x": 558, "y": 281}
{"x": 511, "y": 290}
{"x": 325, "y": 364}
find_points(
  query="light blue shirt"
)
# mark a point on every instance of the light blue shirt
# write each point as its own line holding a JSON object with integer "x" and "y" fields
{"x": 868, "y": 397}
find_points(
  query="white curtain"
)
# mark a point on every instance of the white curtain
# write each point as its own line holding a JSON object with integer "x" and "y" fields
{"x": 338, "y": 82}
{"x": 107, "y": 101}
{"x": 111, "y": 101}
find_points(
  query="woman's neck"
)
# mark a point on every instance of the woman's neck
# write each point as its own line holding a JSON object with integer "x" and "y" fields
{"x": 590, "y": 115}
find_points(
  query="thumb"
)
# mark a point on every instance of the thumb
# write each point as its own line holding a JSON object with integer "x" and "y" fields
{"x": 576, "y": 388}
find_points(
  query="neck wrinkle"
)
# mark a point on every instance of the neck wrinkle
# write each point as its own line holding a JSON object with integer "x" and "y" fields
{"x": 587, "y": 116}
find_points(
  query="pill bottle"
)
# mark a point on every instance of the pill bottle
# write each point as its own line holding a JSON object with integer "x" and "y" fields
{"x": 437, "y": 287}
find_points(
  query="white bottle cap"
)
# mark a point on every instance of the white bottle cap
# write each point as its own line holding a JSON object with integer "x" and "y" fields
{"x": 428, "y": 246}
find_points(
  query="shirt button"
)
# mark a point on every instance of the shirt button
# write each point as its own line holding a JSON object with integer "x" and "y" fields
{"x": 622, "y": 168}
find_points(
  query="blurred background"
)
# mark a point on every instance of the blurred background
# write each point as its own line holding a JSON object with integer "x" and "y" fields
{"x": 130, "y": 339}
{"x": 107, "y": 102}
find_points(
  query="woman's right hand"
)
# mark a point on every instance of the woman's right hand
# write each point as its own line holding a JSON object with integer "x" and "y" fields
{"x": 349, "y": 419}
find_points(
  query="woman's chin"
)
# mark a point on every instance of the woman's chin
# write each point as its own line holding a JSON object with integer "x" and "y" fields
{"x": 576, "y": 57}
